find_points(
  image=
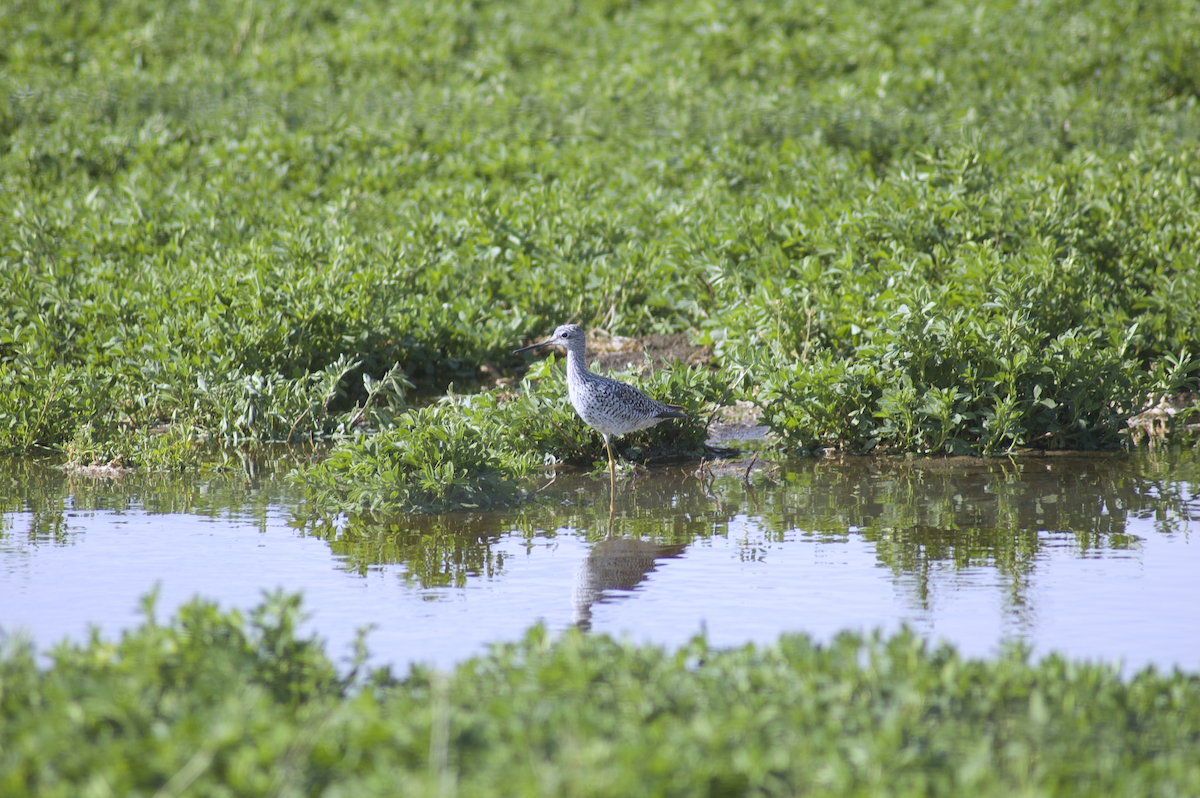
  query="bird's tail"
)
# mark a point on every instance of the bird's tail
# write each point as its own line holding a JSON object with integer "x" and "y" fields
{"x": 673, "y": 411}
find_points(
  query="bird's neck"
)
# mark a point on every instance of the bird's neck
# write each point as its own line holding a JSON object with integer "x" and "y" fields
{"x": 576, "y": 361}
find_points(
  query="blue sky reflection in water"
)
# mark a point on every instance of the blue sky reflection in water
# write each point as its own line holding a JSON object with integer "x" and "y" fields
{"x": 1092, "y": 556}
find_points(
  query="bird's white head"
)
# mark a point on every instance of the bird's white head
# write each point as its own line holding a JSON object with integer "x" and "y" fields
{"x": 569, "y": 336}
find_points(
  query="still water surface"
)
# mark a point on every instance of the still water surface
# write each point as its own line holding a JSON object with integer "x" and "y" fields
{"x": 1092, "y": 556}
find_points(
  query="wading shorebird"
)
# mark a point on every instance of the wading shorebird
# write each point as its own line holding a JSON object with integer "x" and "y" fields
{"x": 606, "y": 405}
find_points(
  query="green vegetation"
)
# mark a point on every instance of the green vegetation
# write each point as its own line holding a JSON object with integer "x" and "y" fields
{"x": 469, "y": 451}
{"x": 213, "y": 704}
{"x": 970, "y": 303}
{"x": 171, "y": 448}
{"x": 916, "y": 227}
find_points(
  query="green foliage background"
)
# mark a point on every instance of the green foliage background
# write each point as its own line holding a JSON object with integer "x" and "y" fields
{"x": 916, "y": 226}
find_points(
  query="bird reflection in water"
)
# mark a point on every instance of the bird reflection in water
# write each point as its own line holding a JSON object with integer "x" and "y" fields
{"x": 615, "y": 564}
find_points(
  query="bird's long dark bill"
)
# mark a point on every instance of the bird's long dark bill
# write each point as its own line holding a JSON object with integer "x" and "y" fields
{"x": 531, "y": 346}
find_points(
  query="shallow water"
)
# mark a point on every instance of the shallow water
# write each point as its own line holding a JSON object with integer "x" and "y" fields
{"x": 1092, "y": 556}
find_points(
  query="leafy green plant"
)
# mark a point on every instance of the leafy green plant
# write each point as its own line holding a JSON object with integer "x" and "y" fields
{"x": 929, "y": 380}
{"x": 172, "y": 448}
{"x": 214, "y": 702}
{"x": 240, "y": 219}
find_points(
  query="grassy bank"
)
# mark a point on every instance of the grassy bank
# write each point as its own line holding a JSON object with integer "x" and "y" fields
{"x": 919, "y": 227}
{"x": 212, "y": 703}
{"x": 466, "y": 452}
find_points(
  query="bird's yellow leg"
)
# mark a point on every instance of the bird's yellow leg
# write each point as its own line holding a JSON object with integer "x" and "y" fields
{"x": 612, "y": 466}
